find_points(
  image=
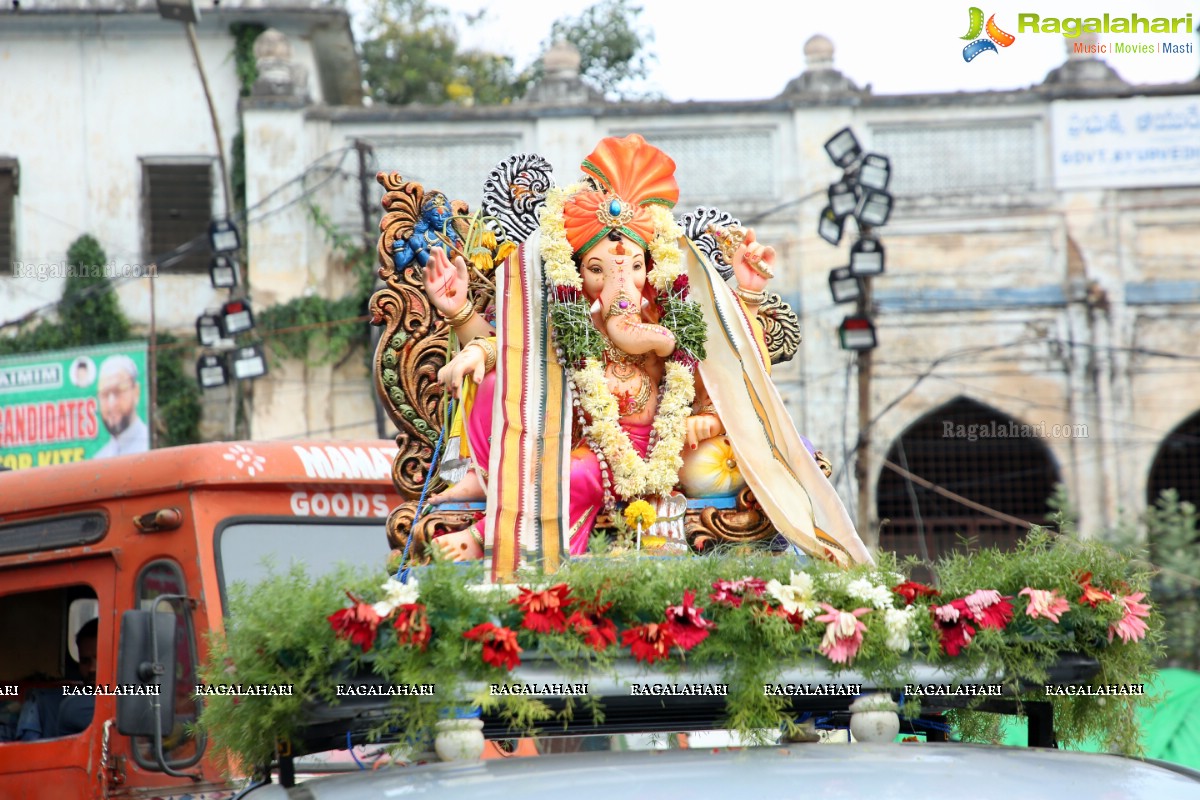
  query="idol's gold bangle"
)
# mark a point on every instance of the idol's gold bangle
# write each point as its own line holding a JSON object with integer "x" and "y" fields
{"x": 460, "y": 317}
{"x": 752, "y": 298}
{"x": 490, "y": 353}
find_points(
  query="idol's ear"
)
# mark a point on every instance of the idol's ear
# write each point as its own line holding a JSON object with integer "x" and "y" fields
{"x": 515, "y": 191}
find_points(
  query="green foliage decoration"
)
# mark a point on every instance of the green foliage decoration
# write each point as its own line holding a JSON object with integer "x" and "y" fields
{"x": 686, "y": 320}
{"x": 574, "y": 331}
{"x": 1166, "y": 541}
{"x": 279, "y": 632}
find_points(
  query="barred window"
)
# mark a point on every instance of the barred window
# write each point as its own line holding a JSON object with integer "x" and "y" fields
{"x": 178, "y": 202}
{"x": 978, "y": 157}
{"x": 8, "y": 192}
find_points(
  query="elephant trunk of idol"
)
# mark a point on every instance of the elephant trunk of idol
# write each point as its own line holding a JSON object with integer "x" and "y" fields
{"x": 627, "y": 331}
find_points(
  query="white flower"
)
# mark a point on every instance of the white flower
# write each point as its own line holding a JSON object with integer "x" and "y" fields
{"x": 862, "y": 589}
{"x": 899, "y": 625}
{"x": 796, "y": 596}
{"x": 395, "y": 594}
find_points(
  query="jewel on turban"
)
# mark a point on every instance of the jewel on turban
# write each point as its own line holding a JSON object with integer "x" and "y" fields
{"x": 633, "y": 175}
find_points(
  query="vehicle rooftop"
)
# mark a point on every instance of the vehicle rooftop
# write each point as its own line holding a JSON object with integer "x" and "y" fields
{"x": 232, "y": 464}
{"x": 980, "y": 772}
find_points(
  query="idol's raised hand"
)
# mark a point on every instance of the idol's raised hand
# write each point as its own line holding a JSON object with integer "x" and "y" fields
{"x": 446, "y": 283}
{"x": 753, "y": 263}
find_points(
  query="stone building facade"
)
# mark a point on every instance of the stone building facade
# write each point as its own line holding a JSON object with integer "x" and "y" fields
{"x": 1037, "y": 321}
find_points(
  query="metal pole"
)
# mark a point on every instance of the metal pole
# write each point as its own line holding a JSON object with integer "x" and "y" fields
{"x": 153, "y": 366}
{"x": 382, "y": 429}
{"x": 862, "y": 457}
{"x": 212, "y": 113}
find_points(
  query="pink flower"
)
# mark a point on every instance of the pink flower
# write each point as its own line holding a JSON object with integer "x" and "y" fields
{"x": 949, "y": 612}
{"x": 843, "y": 633}
{"x": 1131, "y": 628}
{"x": 1045, "y": 603}
{"x": 989, "y": 608}
{"x": 733, "y": 592}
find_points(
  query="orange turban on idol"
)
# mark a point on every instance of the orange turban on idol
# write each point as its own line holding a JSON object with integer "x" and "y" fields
{"x": 633, "y": 175}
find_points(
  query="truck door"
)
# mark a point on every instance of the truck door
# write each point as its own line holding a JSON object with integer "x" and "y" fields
{"x": 52, "y": 722}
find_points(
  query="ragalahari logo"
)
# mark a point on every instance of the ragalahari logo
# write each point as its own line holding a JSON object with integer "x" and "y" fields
{"x": 995, "y": 36}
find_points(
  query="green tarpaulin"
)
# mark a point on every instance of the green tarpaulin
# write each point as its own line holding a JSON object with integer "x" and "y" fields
{"x": 1170, "y": 728}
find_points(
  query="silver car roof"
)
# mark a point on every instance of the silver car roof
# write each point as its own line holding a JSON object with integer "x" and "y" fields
{"x": 877, "y": 772}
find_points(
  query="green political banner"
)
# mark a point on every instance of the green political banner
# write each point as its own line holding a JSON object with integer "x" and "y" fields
{"x": 71, "y": 405}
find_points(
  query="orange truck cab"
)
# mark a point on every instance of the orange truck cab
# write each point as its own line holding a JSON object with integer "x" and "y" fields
{"x": 149, "y": 545}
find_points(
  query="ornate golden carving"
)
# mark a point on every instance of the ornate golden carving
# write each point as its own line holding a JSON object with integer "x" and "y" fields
{"x": 433, "y": 523}
{"x": 781, "y": 328}
{"x": 743, "y": 524}
{"x": 415, "y": 339}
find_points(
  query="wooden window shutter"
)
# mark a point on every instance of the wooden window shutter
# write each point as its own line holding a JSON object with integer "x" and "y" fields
{"x": 179, "y": 209}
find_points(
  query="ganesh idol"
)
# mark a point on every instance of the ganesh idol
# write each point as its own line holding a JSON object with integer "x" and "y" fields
{"x": 618, "y": 365}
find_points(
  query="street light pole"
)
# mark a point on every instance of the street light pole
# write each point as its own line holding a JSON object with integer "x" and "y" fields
{"x": 862, "y": 472}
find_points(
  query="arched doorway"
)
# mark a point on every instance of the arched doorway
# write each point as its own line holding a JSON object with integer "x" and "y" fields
{"x": 971, "y": 450}
{"x": 1177, "y": 463}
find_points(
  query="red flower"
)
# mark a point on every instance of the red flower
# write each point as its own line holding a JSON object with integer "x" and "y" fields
{"x": 911, "y": 590}
{"x": 685, "y": 624}
{"x": 544, "y": 610}
{"x": 1091, "y": 595}
{"x": 359, "y": 623}
{"x": 680, "y": 285}
{"x": 651, "y": 642}
{"x": 597, "y": 631}
{"x": 955, "y": 636}
{"x": 796, "y": 618}
{"x": 412, "y": 625}
{"x": 500, "y": 647}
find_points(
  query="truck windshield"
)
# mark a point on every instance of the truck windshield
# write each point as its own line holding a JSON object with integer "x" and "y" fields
{"x": 246, "y": 551}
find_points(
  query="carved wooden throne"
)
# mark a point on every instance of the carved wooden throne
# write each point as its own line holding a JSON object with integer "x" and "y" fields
{"x": 414, "y": 343}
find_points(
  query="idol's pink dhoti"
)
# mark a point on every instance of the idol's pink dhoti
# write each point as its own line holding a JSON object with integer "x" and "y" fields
{"x": 586, "y": 483}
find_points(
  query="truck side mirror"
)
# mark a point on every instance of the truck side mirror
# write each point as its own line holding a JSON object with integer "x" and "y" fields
{"x": 146, "y": 661}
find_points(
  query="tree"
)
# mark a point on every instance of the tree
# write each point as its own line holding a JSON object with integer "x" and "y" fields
{"x": 412, "y": 56}
{"x": 612, "y": 48}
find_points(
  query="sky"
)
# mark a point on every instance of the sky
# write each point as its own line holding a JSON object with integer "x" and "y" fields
{"x": 750, "y": 49}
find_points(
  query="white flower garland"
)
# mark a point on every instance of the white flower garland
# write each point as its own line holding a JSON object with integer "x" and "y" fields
{"x": 557, "y": 255}
{"x": 631, "y": 475}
